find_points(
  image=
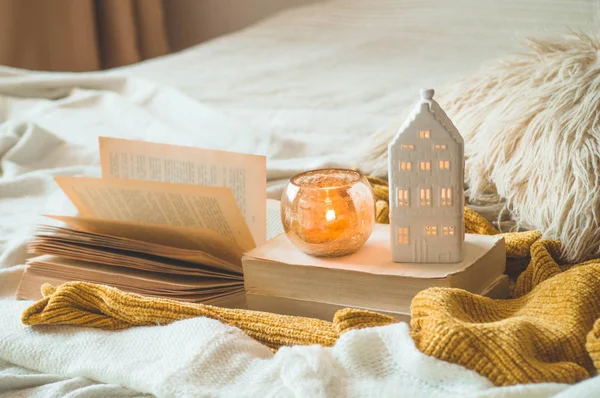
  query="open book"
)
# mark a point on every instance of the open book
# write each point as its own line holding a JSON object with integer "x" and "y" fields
{"x": 163, "y": 220}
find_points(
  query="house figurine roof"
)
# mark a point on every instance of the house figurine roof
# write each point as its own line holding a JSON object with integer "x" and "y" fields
{"x": 428, "y": 104}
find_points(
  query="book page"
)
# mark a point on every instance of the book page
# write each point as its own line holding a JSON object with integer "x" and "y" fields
{"x": 164, "y": 203}
{"x": 33, "y": 279}
{"x": 196, "y": 245}
{"x": 274, "y": 225}
{"x": 57, "y": 266}
{"x": 244, "y": 174}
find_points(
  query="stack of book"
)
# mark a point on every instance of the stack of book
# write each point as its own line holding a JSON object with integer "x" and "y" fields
{"x": 281, "y": 279}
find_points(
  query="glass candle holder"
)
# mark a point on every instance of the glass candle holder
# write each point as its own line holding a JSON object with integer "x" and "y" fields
{"x": 328, "y": 212}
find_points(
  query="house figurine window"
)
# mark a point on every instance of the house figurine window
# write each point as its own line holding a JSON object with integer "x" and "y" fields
{"x": 448, "y": 231}
{"x": 407, "y": 146}
{"x": 442, "y": 147}
{"x": 424, "y": 134}
{"x": 446, "y": 196}
{"x": 432, "y": 231}
{"x": 403, "y": 197}
{"x": 403, "y": 236}
{"x": 425, "y": 196}
{"x": 405, "y": 166}
{"x": 444, "y": 165}
{"x": 425, "y": 166}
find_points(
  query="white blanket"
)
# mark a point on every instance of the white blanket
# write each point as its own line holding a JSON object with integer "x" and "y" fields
{"x": 202, "y": 357}
{"x": 305, "y": 89}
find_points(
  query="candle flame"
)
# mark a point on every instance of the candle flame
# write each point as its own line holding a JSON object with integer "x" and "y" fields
{"x": 330, "y": 215}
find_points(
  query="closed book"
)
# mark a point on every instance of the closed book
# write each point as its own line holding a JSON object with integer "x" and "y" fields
{"x": 498, "y": 289}
{"x": 368, "y": 278}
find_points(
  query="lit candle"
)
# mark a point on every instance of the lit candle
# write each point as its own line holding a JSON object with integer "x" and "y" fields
{"x": 328, "y": 212}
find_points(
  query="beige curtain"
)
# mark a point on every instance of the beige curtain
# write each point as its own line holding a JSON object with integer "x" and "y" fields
{"x": 80, "y": 35}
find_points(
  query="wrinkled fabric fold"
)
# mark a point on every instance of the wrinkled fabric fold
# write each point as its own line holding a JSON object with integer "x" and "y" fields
{"x": 104, "y": 307}
{"x": 537, "y": 337}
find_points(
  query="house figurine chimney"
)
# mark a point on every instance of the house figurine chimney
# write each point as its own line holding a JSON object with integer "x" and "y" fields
{"x": 426, "y": 175}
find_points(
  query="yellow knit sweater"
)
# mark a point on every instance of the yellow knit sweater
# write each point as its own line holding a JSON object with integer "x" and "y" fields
{"x": 549, "y": 331}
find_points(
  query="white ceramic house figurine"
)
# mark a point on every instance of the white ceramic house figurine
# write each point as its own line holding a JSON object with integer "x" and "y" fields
{"x": 426, "y": 174}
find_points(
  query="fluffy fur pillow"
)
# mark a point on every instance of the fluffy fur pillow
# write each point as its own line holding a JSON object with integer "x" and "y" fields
{"x": 531, "y": 126}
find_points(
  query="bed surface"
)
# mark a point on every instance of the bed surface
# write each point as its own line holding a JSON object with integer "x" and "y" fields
{"x": 323, "y": 77}
{"x": 306, "y": 88}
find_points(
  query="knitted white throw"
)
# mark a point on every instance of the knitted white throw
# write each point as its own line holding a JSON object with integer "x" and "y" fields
{"x": 202, "y": 357}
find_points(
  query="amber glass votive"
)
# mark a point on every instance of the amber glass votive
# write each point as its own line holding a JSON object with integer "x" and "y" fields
{"x": 328, "y": 212}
